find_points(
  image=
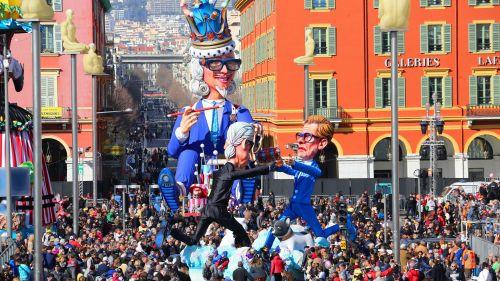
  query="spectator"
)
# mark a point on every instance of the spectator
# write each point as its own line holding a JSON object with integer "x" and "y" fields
{"x": 277, "y": 267}
{"x": 241, "y": 274}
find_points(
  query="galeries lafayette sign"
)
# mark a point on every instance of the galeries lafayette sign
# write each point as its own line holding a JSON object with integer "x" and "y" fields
{"x": 415, "y": 62}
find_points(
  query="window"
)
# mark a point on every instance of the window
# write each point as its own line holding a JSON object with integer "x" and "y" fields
{"x": 386, "y": 92}
{"x": 483, "y": 37}
{"x": 435, "y": 2}
{"x": 483, "y": 2}
{"x": 320, "y": 43}
{"x": 382, "y": 41}
{"x": 56, "y": 5}
{"x": 319, "y": 4}
{"x": 435, "y": 37}
{"x": 483, "y": 90}
{"x": 480, "y": 149}
{"x": 320, "y": 93}
{"x": 51, "y": 38}
{"x": 435, "y": 87}
{"x": 49, "y": 91}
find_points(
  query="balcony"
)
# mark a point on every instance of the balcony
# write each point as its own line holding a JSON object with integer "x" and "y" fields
{"x": 334, "y": 114}
{"x": 482, "y": 112}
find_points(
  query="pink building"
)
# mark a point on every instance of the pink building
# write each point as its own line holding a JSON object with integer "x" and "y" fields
{"x": 56, "y": 84}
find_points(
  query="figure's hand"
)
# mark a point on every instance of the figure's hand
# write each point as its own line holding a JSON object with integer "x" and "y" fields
{"x": 289, "y": 161}
{"x": 189, "y": 118}
{"x": 278, "y": 164}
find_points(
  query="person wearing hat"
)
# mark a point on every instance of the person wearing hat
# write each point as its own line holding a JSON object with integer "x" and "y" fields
{"x": 237, "y": 151}
{"x": 213, "y": 68}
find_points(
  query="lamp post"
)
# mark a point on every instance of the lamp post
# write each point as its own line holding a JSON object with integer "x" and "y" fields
{"x": 435, "y": 125}
{"x": 8, "y": 190}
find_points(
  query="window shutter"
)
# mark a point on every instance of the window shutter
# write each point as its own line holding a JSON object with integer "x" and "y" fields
{"x": 424, "y": 39}
{"x": 448, "y": 91}
{"x": 332, "y": 41}
{"x": 447, "y": 3}
{"x": 401, "y": 42}
{"x": 331, "y": 4}
{"x": 425, "y": 91}
{"x": 401, "y": 92}
{"x": 447, "y": 38}
{"x": 308, "y": 4}
{"x": 58, "y": 48}
{"x": 332, "y": 95}
{"x": 51, "y": 91}
{"x": 496, "y": 90}
{"x": 310, "y": 98}
{"x": 44, "y": 90}
{"x": 377, "y": 40}
{"x": 495, "y": 2}
{"x": 472, "y": 37}
{"x": 496, "y": 37}
{"x": 424, "y": 3}
{"x": 57, "y": 5}
{"x": 375, "y": 4}
{"x": 472, "y": 90}
{"x": 268, "y": 8}
{"x": 378, "y": 93}
{"x": 472, "y": 3}
{"x": 272, "y": 94}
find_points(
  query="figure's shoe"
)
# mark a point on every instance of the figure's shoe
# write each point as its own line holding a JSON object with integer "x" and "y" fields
{"x": 351, "y": 229}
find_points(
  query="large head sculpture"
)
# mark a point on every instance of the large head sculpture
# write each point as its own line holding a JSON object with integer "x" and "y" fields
{"x": 239, "y": 142}
{"x": 315, "y": 136}
{"x": 213, "y": 64}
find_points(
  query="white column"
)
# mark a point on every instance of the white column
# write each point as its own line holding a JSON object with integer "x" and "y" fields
{"x": 355, "y": 166}
{"x": 461, "y": 165}
{"x": 412, "y": 164}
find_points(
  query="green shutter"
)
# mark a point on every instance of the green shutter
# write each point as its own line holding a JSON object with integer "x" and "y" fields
{"x": 378, "y": 93}
{"x": 58, "y": 47}
{"x": 424, "y": 3}
{"x": 331, "y": 4}
{"x": 332, "y": 41}
{"x": 495, "y": 2}
{"x": 51, "y": 91}
{"x": 308, "y": 4}
{"x": 377, "y": 40}
{"x": 44, "y": 91}
{"x": 472, "y": 38}
{"x": 496, "y": 90}
{"x": 272, "y": 93}
{"x": 496, "y": 37}
{"x": 57, "y": 5}
{"x": 310, "y": 98}
{"x": 425, "y": 91}
{"x": 401, "y": 92}
{"x": 424, "y": 38}
{"x": 447, "y": 3}
{"x": 472, "y": 90}
{"x": 375, "y": 4}
{"x": 448, "y": 92}
{"x": 332, "y": 95}
{"x": 447, "y": 38}
{"x": 472, "y": 3}
{"x": 401, "y": 42}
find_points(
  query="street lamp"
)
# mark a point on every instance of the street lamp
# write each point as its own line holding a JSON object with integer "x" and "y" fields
{"x": 436, "y": 126}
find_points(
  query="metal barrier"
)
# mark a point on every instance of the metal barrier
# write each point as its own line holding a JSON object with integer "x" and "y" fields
{"x": 7, "y": 252}
{"x": 484, "y": 248}
{"x": 99, "y": 202}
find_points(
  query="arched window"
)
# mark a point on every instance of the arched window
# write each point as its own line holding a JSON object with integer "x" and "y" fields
{"x": 425, "y": 152}
{"x": 382, "y": 151}
{"x": 480, "y": 149}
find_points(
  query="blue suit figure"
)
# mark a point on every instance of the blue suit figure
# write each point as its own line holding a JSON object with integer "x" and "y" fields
{"x": 188, "y": 151}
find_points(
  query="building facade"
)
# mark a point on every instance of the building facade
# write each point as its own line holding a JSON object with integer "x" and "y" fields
{"x": 56, "y": 89}
{"x": 451, "y": 49}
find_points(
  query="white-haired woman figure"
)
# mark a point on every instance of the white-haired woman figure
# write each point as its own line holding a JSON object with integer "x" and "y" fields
{"x": 237, "y": 151}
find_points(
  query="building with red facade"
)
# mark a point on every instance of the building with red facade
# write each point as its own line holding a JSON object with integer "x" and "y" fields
{"x": 56, "y": 81}
{"x": 451, "y": 49}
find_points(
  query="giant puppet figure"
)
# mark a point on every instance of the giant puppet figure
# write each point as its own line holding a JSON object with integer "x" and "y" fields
{"x": 213, "y": 66}
{"x": 315, "y": 135}
{"x": 237, "y": 151}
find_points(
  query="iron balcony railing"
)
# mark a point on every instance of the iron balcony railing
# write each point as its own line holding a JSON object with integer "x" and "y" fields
{"x": 487, "y": 110}
{"x": 335, "y": 114}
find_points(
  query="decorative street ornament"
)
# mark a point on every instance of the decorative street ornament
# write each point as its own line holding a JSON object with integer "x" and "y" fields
{"x": 309, "y": 46}
{"x": 68, "y": 33}
{"x": 394, "y": 14}
{"x": 92, "y": 62}
{"x": 37, "y": 9}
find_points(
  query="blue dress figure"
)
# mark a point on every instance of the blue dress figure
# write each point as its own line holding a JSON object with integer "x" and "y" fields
{"x": 213, "y": 66}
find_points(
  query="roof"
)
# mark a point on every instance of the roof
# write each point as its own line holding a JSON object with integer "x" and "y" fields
{"x": 106, "y": 5}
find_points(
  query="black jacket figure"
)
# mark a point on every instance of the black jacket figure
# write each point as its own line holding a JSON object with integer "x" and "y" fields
{"x": 217, "y": 202}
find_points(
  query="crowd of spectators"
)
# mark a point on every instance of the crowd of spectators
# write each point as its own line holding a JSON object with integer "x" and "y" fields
{"x": 434, "y": 243}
